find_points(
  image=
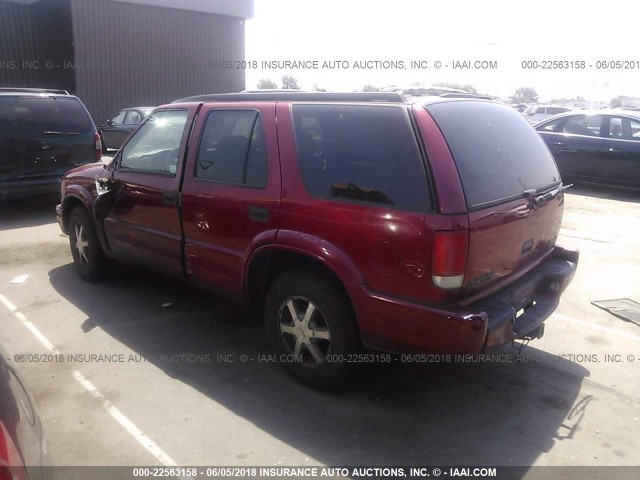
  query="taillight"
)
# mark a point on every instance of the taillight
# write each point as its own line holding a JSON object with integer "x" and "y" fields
{"x": 449, "y": 258}
{"x": 11, "y": 464}
{"x": 98, "y": 141}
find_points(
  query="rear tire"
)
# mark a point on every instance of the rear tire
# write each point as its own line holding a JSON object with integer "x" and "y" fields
{"x": 312, "y": 329}
{"x": 86, "y": 250}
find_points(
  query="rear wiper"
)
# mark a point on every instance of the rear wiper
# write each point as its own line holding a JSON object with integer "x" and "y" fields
{"x": 541, "y": 199}
{"x": 51, "y": 132}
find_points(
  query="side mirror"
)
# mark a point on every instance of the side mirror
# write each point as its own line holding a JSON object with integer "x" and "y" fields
{"x": 108, "y": 122}
{"x": 104, "y": 201}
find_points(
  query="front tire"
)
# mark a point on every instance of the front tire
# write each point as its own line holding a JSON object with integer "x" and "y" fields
{"x": 312, "y": 328}
{"x": 86, "y": 250}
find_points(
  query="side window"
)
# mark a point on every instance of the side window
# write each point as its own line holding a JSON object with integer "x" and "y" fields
{"x": 132, "y": 118}
{"x": 233, "y": 149}
{"x": 615, "y": 128}
{"x": 552, "y": 126}
{"x": 361, "y": 153}
{"x": 587, "y": 125}
{"x": 118, "y": 119}
{"x": 634, "y": 127}
{"x": 156, "y": 145}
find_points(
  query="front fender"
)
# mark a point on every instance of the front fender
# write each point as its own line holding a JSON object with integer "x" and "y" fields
{"x": 76, "y": 193}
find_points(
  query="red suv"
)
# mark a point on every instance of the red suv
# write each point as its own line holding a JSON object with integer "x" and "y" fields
{"x": 354, "y": 219}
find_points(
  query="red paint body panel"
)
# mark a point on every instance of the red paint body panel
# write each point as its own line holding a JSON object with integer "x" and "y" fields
{"x": 391, "y": 248}
{"x": 383, "y": 256}
{"x": 443, "y": 169}
{"x": 141, "y": 224}
{"x": 219, "y": 235}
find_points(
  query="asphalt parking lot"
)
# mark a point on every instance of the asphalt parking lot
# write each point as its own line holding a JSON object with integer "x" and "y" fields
{"x": 171, "y": 385}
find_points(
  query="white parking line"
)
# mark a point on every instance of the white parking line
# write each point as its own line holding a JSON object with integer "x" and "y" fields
{"x": 135, "y": 432}
{"x": 32, "y": 328}
{"x": 612, "y": 331}
{"x": 129, "y": 426}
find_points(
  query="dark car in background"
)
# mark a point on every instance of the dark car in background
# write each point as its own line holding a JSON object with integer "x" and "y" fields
{"x": 599, "y": 146}
{"x": 117, "y": 129}
{"x": 23, "y": 450}
{"x": 43, "y": 133}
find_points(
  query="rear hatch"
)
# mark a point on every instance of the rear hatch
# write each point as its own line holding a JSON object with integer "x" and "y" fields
{"x": 43, "y": 135}
{"x": 512, "y": 189}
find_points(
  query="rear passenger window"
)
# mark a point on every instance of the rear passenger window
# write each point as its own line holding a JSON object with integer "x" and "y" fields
{"x": 361, "y": 153}
{"x": 232, "y": 148}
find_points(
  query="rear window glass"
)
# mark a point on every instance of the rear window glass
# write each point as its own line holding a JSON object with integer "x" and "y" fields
{"x": 498, "y": 154}
{"x": 31, "y": 116}
{"x": 361, "y": 153}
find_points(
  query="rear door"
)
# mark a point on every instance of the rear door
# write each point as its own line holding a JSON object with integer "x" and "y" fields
{"x": 621, "y": 153}
{"x": 503, "y": 164}
{"x": 43, "y": 136}
{"x": 231, "y": 192}
{"x": 144, "y": 222}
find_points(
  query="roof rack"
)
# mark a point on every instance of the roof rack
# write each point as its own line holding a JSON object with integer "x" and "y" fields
{"x": 271, "y": 95}
{"x": 34, "y": 90}
{"x": 465, "y": 95}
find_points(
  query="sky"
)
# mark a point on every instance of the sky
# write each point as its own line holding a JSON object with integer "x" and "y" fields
{"x": 508, "y": 33}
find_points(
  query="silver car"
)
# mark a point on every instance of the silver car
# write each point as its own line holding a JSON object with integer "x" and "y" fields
{"x": 537, "y": 113}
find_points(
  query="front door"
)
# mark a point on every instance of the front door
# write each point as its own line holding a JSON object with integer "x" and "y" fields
{"x": 144, "y": 222}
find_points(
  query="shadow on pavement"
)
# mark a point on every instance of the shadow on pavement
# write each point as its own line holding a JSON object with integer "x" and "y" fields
{"x": 28, "y": 211}
{"x": 499, "y": 413}
{"x": 605, "y": 192}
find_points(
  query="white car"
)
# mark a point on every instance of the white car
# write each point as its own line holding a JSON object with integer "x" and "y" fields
{"x": 537, "y": 113}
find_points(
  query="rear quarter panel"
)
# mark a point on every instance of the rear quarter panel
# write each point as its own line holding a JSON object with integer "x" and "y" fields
{"x": 390, "y": 248}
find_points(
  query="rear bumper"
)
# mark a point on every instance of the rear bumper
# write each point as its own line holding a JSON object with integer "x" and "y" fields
{"x": 26, "y": 187}
{"x": 517, "y": 311}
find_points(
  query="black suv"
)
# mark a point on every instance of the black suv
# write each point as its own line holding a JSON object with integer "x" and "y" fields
{"x": 43, "y": 133}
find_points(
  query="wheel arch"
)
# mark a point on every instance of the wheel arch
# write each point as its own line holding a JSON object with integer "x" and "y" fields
{"x": 269, "y": 262}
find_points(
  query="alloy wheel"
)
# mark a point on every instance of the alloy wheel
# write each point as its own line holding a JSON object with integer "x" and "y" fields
{"x": 304, "y": 330}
